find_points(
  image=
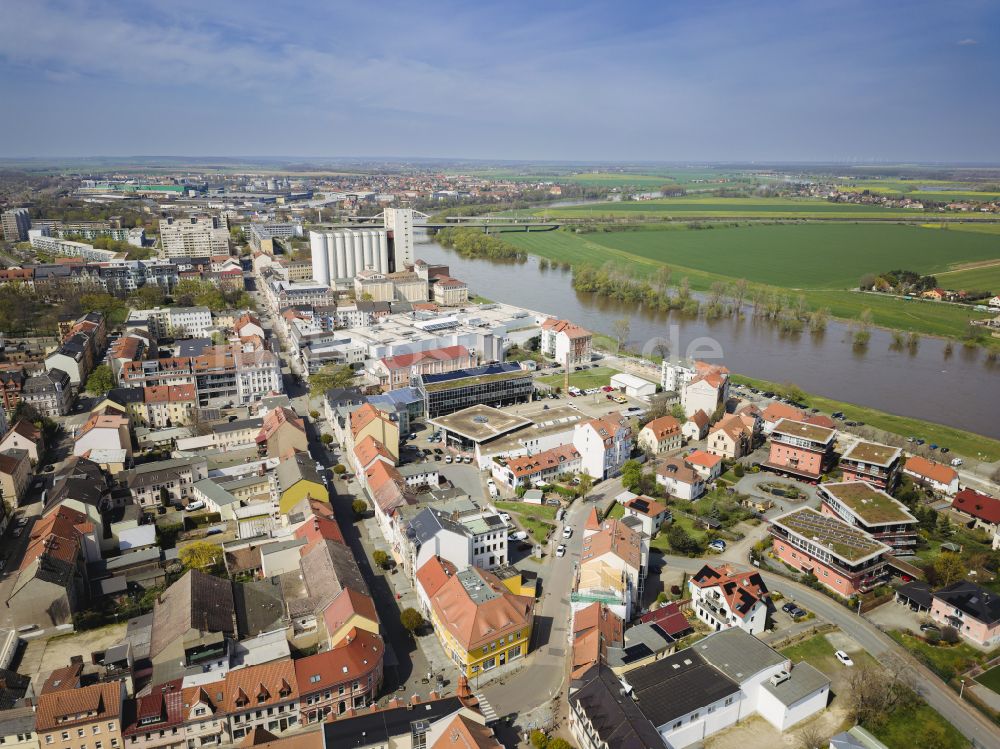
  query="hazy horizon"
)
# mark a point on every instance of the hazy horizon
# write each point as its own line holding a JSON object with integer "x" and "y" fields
{"x": 724, "y": 82}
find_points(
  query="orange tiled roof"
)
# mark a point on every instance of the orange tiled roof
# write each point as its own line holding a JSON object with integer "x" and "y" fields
{"x": 434, "y": 574}
{"x": 97, "y": 702}
{"x": 663, "y": 427}
{"x": 931, "y": 469}
{"x": 528, "y": 465}
{"x": 356, "y": 656}
{"x": 262, "y": 686}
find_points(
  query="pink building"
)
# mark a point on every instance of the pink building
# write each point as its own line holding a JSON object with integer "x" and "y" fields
{"x": 971, "y": 609}
{"x": 800, "y": 449}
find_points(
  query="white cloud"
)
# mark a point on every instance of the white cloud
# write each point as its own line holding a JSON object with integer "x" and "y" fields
{"x": 967, "y": 42}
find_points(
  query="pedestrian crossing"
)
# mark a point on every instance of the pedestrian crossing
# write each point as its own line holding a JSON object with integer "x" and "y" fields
{"x": 486, "y": 708}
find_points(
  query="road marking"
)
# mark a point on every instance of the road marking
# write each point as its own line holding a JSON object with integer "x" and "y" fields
{"x": 487, "y": 709}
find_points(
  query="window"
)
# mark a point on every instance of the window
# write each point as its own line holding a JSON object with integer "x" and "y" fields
{"x": 97, "y": 729}
{"x": 65, "y": 735}
{"x": 111, "y": 726}
{"x": 80, "y": 732}
{"x": 48, "y": 739}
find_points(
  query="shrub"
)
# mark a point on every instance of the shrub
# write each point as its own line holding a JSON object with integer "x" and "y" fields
{"x": 539, "y": 740}
{"x": 950, "y": 635}
{"x": 738, "y": 470}
{"x": 380, "y": 558}
{"x": 340, "y": 469}
{"x": 360, "y": 507}
{"x": 326, "y": 439}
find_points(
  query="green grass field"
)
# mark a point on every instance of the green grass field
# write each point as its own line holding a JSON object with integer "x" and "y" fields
{"x": 991, "y": 679}
{"x": 590, "y": 378}
{"x": 538, "y": 520}
{"x": 984, "y": 278}
{"x": 947, "y": 661}
{"x": 689, "y": 206}
{"x": 838, "y": 255}
{"x": 958, "y": 441}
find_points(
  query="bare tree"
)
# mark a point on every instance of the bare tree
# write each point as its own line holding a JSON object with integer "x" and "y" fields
{"x": 812, "y": 738}
{"x": 874, "y": 692}
{"x": 621, "y": 327}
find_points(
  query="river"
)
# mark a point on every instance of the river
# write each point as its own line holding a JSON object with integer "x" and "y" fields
{"x": 960, "y": 390}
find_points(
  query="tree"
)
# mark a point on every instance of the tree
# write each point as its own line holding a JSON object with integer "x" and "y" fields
{"x": 738, "y": 470}
{"x": 681, "y": 541}
{"x": 380, "y": 558}
{"x": 360, "y": 507}
{"x": 101, "y": 380}
{"x": 201, "y": 555}
{"x": 148, "y": 296}
{"x": 559, "y": 743}
{"x": 632, "y": 475}
{"x": 678, "y": 412}
{"x": 411, "y": 619}
{"x": 585, "y": 485}
{"x": 876, "y": 691}
{"x": 326, "y": 439}
{"x": 330, "y": 377}
{"x": 340, "y": 469}
{"x": 949, "y": 568}
{"x": 812, "y": 738}
{"x": 621, "y": 328}
{"x": 867, "y": 281}
{"x": 539, "y": 740}
{"x": 165, "y": 497}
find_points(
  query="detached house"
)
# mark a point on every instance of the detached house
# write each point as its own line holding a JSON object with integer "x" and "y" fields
{"x": 565, "y": 342}
{"x": 651, "y": 514}
{"x": 971, "y": 609}
{"x": 930, "y": 473}
{"x": 660, "y": 435}
{"x": 722, "y": 599}
{"x": 982, "y": 508}
{"x": 696, "y": 426}
{"x": 732, "y": 437}
{"x": 680, "y": 479}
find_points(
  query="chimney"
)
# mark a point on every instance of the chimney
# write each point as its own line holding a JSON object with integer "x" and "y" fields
{"x": 415, "y": 699}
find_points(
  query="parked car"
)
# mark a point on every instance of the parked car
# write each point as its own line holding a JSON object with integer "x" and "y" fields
{"x": 561, "y": 550}
{"x": 567, "y": 532}
{"x": 945, "y": 449}
{"x": 196, "y": 505}
{"x": 717, "y": 544}
{"x": 517, "y": 536}
{"x": 447, "y": 459}
{"x": 844, "y": 658}
{"x": 928, "y": 627}
{"x": 505, "y": 517}
{"x": 413, "y": 435}
{"x": 957, "y": 462}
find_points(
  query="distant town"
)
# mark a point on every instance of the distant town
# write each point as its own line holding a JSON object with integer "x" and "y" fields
{"x": 273, "y": 476}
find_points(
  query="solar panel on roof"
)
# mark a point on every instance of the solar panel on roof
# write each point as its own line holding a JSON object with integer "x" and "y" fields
{"x": 641, "y": 505}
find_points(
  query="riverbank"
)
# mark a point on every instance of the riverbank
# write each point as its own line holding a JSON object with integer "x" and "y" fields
{"x": 964, "y": 443}
{"x": 710, "y": 257}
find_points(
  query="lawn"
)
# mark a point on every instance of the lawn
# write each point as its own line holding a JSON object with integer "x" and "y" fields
{"x": 660, "y": 542}
{"x": 588, "y": 378}
{"x": 919, "y": 727}
{"x": 959, "y": 441}
{"x": 985, "y": 278}
{"x": 710, "y": 206}
{"x": 538, "y": 520}
{"x": 947, "y": 661}
{"x": 815, "y": 650}
{"x": 991, "y": 679}
{"x": 617, "y": 510}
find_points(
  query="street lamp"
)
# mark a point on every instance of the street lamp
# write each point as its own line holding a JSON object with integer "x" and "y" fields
{"x": 961, "y": 691}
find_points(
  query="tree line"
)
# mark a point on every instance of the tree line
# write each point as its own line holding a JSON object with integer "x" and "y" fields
{"x": 474, "y": 243}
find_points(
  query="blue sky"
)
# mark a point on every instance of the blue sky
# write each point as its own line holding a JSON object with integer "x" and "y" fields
{"x": 670, "y": 81}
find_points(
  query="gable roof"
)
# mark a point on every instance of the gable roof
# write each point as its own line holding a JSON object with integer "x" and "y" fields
{"x": 981, "y": 506}
{"x": 434, "y": 574}
{"x": 615, "y": 716}
{"x": 930, "y": 469}
{"x": 700, "y": 419}
{"x": 444, "y": 353}
{"x": 79, "y": 706}
{"x": 703, "y": 459}
{"x": 195, "y": 602}
{"x": 369, "y": 449}
{"x": 528, "y": 465}
{"x": 664, "y": 426}
{"x": 263, "y": 685}
{"x": 614, "y": 538}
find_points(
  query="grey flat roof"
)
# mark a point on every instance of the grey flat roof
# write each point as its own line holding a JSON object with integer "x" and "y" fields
{"x": 737, "y": 654}
{"x": 480, "y": 423}
{"x": 804, "y": 681}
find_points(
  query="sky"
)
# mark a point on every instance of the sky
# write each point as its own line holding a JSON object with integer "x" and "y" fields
{"x": 660, "y": 80}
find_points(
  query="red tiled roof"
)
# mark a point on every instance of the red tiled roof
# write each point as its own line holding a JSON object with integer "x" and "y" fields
{"x": 348, "y": 603}
{"x": 740, "y": 589}
{"x": 434, "y": 574}
{"x": 981, "y": 506}
{"x": 256, "y": 687}
{"x": 663, "y": 427}
{"x": 670, "y": 618}
{"x": 97, "y": 702}
{"x": 445, "y": 353}
{"x": 528, "y": 465}
{"x": 702, "y": 458}
{"x": 356, "y": 656}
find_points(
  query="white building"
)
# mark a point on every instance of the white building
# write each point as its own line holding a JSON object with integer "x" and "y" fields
{"x": 723, "y": 598}
{"x": 399, "y": 223}
{"x": 172, "y": 321}
{"x": 565, "y": 342}
{"x": 705, "y": 393}
{"x": 474, "y": 539}
{"x": 632, "y": 386}
{"x": 679, "y": 479}
{"x": 604, "y": 445}
{"x": 343, "y": 254}
{"x": 194, "y": 236}
{"x": 41, "y": 241}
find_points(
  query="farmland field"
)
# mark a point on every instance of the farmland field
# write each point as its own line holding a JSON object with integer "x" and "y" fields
{"x": 794, "y": 256}
{"x": 773, "y": 256}
{"x": 986, "y": 278}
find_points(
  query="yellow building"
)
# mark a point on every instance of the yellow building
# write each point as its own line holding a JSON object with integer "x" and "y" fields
{"x": 482, "y": 625}
{"x": 297, "y": 479}
{"x": 368, "y": 421}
